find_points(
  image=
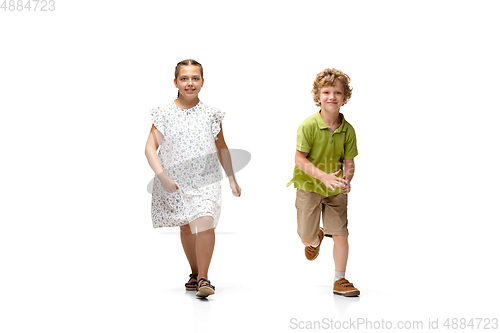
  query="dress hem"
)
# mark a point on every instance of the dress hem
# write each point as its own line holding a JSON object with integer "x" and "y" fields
{"x": 216, "y": 221}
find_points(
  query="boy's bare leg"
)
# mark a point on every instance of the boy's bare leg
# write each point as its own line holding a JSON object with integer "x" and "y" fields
{"x": 188, "y": 240}
{"x": 340, "y": 252}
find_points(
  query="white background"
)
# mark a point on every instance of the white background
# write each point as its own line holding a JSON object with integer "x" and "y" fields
{"x": 77, "y": 249}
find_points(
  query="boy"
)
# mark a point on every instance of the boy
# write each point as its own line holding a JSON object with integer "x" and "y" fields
{"x": 324, "y": 167}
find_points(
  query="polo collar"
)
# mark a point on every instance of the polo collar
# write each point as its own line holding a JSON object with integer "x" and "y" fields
{"x": 322, "y": 124}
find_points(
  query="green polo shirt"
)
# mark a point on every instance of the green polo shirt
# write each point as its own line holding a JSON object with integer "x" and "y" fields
{"x": 326, "y": 150}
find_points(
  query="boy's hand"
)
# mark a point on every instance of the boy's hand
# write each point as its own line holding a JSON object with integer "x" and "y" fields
{"x": 332, "y": 181}
{"x": 347, "y": 188}
{"x": 167, "y": 183}
{"x": 235, "y": 188}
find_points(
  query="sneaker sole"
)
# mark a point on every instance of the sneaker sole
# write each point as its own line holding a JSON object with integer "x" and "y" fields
{"x": 205, "y": 291}
{"x": 347, "y": 293}
{"x": 317, "y": 254}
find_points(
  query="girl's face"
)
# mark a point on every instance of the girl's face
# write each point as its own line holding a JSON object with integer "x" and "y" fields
{"x": 189, "y": 81}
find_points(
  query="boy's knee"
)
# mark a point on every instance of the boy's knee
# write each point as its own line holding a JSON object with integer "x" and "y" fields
{"x": 340, "y": 239}
{"x": 308, "y": 241}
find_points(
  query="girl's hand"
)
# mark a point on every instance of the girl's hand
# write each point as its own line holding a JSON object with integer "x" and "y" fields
{"x": 167, "y": 183}
{"x": 332, "y": 181}
{"x": 235, "y": 188}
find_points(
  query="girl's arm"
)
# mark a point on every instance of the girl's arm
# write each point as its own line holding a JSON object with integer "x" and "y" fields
{"x": 154, "y": 137}
{"x": 225, "y": 161}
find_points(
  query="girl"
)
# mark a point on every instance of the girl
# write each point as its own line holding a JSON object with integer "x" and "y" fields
{"x": 186, "y": 188}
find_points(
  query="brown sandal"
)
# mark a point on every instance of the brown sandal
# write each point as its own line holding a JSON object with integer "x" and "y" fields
{"x": 191, "y": 285}
{"x": 204, "y": 288}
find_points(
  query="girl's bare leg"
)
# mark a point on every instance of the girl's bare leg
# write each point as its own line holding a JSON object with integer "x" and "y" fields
{"x": 205, "y": 242}
{"x": 188, "y": 240}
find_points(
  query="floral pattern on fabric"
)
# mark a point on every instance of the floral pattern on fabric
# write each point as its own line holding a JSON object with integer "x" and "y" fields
{"x": 216, "y": 120}
{"x": 188, "y": 155}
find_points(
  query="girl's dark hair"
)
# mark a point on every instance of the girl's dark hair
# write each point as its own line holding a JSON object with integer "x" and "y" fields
{"x": 187, "y": 62}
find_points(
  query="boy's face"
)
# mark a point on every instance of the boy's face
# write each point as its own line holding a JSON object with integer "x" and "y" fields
{"x": 332, "y": 97}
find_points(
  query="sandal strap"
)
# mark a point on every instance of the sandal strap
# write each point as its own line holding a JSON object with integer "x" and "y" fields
{"x": 191, "y": 276}
{"x": 201, "y": 281}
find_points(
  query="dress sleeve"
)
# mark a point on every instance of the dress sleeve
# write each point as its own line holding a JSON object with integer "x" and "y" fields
{"x": 217, "y": 117}
{"x": 158, "y": 118}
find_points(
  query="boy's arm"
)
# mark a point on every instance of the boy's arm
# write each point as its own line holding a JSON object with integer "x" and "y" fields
{"x": 349, "y": 169}
{"x": 329, "y": 179}
{"x": 348, "y": 174}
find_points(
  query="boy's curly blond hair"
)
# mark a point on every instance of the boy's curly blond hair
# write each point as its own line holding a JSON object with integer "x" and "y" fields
{"x": 327, "y": 78}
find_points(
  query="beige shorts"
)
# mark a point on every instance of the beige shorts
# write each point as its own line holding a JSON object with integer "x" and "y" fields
{"x": 311, "y": 205}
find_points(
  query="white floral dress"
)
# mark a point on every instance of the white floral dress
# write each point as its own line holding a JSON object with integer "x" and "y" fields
{"x": 188, "y": 155}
